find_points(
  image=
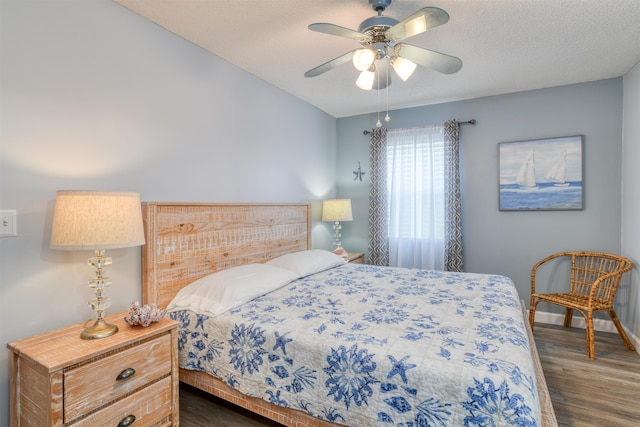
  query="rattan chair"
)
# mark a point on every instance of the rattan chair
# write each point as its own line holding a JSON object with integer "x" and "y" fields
{"x": 595, "y": 277}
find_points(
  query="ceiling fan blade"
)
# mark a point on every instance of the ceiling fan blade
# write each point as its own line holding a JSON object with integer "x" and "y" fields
{"x": 337, "y": 30}
{"x": 421, "y": 21}
{"x": 330, "y": 65}
{"x": 440, "y": 62}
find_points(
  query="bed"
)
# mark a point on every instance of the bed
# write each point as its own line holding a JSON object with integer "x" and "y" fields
{"x": 382, "y": 346}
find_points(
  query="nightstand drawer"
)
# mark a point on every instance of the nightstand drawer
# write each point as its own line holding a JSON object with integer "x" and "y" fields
{"x": 147, "y": 407}
{"x": 96, "y": 383}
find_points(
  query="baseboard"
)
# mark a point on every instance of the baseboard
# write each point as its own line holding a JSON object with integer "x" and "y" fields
{"x": 603, "y": 325}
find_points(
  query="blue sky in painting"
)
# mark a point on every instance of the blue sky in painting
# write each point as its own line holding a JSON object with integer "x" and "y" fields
{"x": 545, "y": 152}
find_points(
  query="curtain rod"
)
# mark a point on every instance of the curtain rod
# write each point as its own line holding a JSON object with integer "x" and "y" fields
{"x": 468, "y": 122}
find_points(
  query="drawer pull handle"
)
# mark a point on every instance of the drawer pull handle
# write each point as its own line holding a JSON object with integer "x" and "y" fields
{"x": 129, "y": 372}
{"x": 127, "y": 421}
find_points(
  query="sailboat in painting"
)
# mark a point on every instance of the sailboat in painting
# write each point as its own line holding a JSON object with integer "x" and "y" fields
{"x": 558, "y": 171}
{"x": 526, "y": 178}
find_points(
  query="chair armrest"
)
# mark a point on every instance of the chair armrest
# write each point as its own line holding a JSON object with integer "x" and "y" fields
{"x": 596, "y": 283}
{"x": 542, "y": 261}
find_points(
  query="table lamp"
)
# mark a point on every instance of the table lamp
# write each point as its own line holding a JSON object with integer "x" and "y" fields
{"x": 337, "y": 210}
{"x": 93, "y": 220}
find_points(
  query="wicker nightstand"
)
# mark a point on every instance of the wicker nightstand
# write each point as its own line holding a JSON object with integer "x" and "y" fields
{"x": 58, "y": 379}
{"x": 355, "y": 257}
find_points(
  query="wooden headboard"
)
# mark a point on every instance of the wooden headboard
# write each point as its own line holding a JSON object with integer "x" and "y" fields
{"x": 186, "y": 241}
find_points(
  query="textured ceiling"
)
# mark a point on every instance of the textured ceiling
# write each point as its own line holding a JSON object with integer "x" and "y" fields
{"x": 505, "y": 45}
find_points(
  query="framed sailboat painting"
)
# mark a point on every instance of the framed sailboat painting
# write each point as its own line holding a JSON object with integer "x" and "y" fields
{"x": 541, "y": 174}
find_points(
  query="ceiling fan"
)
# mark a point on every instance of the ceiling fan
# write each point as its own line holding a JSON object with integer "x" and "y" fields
{"x": 381, "y": 39}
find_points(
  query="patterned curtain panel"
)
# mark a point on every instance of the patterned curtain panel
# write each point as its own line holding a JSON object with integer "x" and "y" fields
{"x": 378, "y": 249}
{"x": 453, "y": 215}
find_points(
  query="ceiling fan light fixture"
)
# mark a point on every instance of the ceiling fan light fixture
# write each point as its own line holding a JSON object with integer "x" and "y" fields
{"x": 363, "y": 59}
{"x": 365, "y": 80}
{"x": 403, "y": 67}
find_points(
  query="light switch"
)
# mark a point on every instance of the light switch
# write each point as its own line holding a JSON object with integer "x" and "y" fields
{"x": 8, "y": 226}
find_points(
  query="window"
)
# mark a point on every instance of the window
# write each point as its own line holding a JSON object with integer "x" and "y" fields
{"x": 416, "y": 197}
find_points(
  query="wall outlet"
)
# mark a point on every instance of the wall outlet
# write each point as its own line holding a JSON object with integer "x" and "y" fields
{"x": 8, "y": 225}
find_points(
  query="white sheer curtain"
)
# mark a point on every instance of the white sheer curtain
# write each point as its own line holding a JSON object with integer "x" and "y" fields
{"x": 416, "y": 197}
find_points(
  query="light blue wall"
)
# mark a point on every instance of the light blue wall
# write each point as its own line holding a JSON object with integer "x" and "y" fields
{"x": 95, "y": 97}
{"x": 631, "y": 195}
{"x": 510, "y": 243}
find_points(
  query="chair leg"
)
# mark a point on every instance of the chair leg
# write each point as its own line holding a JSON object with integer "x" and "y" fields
{"x": 591, "y": 350}
{"x": 568, "y": 317}
{"x": 623, "y": 334}
{"x": 532, "y": 312}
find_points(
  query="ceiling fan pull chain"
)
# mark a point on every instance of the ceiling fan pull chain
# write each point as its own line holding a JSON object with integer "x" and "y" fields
{"x": 378, "y": 123}
{"x": 387, "y": 118}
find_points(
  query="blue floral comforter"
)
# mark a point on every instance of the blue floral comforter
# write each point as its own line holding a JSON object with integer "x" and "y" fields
{"x": 362, "y": 345}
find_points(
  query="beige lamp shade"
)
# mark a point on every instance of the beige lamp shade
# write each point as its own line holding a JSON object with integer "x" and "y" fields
{"x": 96, "y": 220}
{"x": 337, "y": 210}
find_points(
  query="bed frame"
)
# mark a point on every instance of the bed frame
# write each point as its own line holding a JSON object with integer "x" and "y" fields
{"x": 186, "y": 241}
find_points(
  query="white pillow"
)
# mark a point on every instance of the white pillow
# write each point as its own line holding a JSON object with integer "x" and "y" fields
{"x": 304, "y": 263}
{"x": 223, "y": 290}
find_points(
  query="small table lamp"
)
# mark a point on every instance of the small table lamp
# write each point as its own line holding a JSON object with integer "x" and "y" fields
{"x": 337, "y": 210}
{"x": 85, "y": 220}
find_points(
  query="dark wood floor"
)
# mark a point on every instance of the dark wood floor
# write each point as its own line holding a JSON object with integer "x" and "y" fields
{"x": 592, "y": 393}
{"x": 586, "y": 393}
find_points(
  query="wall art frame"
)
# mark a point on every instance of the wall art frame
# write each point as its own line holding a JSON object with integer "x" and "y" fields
{"x": 541, "y": 174}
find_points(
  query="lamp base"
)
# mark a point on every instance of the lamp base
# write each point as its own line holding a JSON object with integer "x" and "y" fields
{"x": 100, "y": 329}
